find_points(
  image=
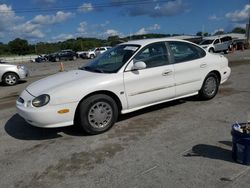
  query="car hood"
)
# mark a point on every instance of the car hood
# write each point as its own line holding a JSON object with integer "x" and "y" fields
{"x": 60, "y": 80}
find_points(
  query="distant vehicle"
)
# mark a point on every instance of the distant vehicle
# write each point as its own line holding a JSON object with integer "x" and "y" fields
{"x": 79, "y": 53}
{"x": 11, "y": 74}
{"x": 41, "y": 58}
{"x": 219, "y": 44}
{"x": 126, "y": 78}
{"x": 63, "y": 55}
{"x": 101, "y": 50}
{"x": 90, "y": 54}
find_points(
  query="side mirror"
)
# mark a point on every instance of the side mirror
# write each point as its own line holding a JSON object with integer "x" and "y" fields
{"x": 139, "y": 65}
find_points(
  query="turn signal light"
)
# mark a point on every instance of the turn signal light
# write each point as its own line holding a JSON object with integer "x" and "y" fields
{"x": 63, "y": 111}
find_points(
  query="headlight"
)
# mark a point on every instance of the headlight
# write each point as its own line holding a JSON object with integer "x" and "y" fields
{"x": 41, "y": 100}
{"x": 20, "y": 67}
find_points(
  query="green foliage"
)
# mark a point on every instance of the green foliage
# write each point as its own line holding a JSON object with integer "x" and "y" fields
{"x": 19, "y": 46}
{"x": 219, "y": 33}
{"x": 4, "y": 49}
{"x": 202, "y": 34}
{"x": 239, "y": 30}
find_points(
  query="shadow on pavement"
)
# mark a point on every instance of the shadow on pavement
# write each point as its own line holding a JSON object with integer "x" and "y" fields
{"x": 18, "y": 128}
{"x": 19, "y": 82}
{"x": 212, "y": 152}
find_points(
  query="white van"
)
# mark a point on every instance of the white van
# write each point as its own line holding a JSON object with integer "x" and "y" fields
{"x": 219, "y": 44}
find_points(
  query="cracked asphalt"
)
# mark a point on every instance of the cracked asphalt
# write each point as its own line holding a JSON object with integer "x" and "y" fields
{"x": 184, "y": 143}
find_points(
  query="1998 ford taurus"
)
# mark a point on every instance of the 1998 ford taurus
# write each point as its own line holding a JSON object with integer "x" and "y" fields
{"x": 128, "y": 77}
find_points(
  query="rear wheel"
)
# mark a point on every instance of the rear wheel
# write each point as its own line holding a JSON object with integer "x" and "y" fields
{"x": 10, "y": 79}
{"x": 97, "y": 114}
{"x": 57, "y": 59}
{"x": 211, "y": 50}
{"x": 210, "y": 87}
{"x": 92, "y": 56}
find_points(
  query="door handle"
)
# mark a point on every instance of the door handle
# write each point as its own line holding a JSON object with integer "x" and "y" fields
{"x": 203, "y": 65}
{"x": 167, "y": 72}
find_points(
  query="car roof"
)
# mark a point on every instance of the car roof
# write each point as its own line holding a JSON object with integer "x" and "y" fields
{"x": 144, "y": 42}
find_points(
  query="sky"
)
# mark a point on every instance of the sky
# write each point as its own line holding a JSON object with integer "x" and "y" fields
{"x": 59, "y": 20}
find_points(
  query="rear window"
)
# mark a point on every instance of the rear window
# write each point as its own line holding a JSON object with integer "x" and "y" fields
{"x": 183, "y": 51}
{"x": 226, "y": 39}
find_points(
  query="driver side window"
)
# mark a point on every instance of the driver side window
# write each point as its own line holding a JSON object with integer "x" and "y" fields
{"x": 153, "y": 55}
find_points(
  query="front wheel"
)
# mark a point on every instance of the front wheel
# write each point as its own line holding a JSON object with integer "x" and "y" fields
{"x": 97, "y": 114}
{"x": 210, "y": 87}
{"x": 10, "y": 79}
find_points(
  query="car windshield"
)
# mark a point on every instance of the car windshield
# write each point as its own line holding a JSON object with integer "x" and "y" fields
{"x": 112, "y": 60}
{"x": 206, "y": 42}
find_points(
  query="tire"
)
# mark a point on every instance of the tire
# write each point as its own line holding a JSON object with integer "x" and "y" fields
{"x": 92, "y": 56}
{"x": 57, "y": 59}
{"x": 74, "y": 58}
{"x": 210, "y": 87}
{"x": 211, "y": 50}
{"x": 97, "y": 114}
{"x": 10, "y": 79}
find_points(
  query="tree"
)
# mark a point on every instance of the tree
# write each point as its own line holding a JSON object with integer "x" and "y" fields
{"x": 239, "y": 30}
{"x": 199, "y": 33}
{"x": 19, "y": 46}
{"x": 219, "y": 33}
{"x": 202, "y": 34}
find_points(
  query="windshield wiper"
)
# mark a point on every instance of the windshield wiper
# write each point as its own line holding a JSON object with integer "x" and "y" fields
{"x": 98, "y": 70}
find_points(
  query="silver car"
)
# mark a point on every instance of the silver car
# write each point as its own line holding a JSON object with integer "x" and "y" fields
{"x": 11, "y": 74}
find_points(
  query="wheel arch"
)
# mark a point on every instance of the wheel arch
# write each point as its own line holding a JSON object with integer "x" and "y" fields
{"x": 217, "y": 73}
{"x": 212, "y": 49}
{"x": 8, "y": 72}
{"x": 105, "y": 92}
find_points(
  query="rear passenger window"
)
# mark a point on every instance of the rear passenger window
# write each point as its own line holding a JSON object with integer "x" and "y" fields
{"x": 183, "y": 51}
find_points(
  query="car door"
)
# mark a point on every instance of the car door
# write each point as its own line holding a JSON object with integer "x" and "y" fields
{"x": 155, "y": 82}
{"x": 189, "y": 67}
{"x": 217, "y": 45}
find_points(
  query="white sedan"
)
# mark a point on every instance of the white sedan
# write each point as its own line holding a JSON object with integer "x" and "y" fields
{"x": 129, "y": 77}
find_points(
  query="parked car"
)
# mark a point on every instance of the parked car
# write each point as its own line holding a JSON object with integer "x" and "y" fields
{"x": 63, "y": 55}
{"x": 219, "y": 44}
{"x": 90, "y": 54}
{"x": 129, "y": 77}
{"x": 101, "y": 50}
{"x": 11, "y": 74}
{"x": 41, "y": 58}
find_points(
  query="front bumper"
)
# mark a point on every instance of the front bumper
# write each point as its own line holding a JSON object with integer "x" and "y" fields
{"x": 46, "y": 116}
{"x": 23, "y": 73}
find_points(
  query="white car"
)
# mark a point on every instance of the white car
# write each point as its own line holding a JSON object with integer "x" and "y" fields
{"x": 90, "y": 54}
{"x": 101, "y": 50}
{"x": 216, "y": 44}
{"x": 11, "y": 74}
{"x": 129, "y": 77}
